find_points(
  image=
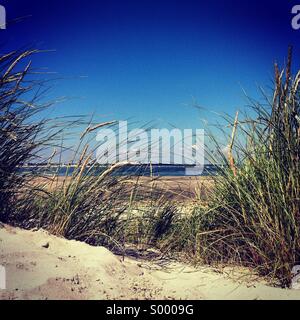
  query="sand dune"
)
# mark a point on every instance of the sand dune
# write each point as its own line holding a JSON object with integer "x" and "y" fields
{"x": 41, "y": 266}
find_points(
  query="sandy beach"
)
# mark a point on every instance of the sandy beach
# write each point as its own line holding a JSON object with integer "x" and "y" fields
{"x": 41, "y": 266}
{"x": 186, "y": 188}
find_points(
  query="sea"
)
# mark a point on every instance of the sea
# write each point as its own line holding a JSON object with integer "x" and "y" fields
{"x": 163, "y": 170}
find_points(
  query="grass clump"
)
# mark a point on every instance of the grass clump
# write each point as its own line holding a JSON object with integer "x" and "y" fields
{"x": 253, "y": 216}
{"x": 21, "y": 136}
{"x": 81, "y": 205}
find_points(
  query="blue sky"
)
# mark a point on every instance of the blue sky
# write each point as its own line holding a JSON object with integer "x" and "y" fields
{"x": 151, "y": 60}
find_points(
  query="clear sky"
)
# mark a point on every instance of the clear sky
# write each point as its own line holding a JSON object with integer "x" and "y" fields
{"x": 151, "y": 60}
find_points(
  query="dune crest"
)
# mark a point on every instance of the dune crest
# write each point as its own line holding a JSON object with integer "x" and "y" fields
{"x": 41, "y": 266}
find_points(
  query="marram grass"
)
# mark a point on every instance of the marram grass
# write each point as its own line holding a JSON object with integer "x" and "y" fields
{"x": 250, "y": 216}
{"x": 253, "y": 214}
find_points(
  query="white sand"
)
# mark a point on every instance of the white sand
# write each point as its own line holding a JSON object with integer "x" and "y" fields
{"x": 42, "y": 266}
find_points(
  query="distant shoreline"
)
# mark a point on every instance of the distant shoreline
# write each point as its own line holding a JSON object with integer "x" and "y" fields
{"x": 163, "y": 170}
